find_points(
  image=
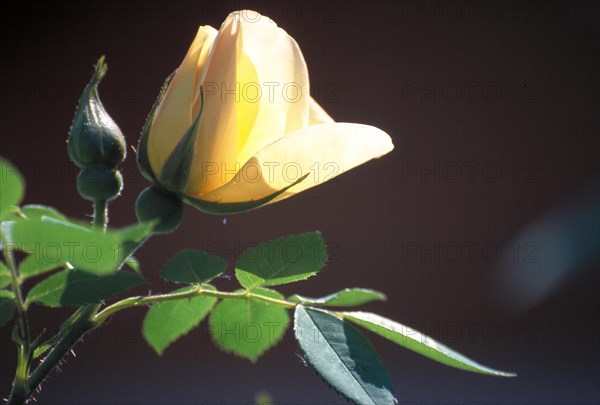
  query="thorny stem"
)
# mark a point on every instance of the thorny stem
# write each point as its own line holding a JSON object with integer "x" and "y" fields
{"x": 196, "y": 292}
{"x": 87, "y": 318}
{"x": 80, "y": 326}
{"x": 18, "y": 393}
{"x": 76, "y": 327}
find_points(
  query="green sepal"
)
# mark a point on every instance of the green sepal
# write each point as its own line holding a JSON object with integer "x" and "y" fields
{"x": 99, "y": 183}
{"x": 157, "y": 204}
{"x": 218, "y": 208}
{"x": 142, "y": 151}
{"x": 176, "y": 169}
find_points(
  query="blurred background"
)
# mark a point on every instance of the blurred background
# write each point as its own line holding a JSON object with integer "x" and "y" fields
{"x": 482, "y": 226}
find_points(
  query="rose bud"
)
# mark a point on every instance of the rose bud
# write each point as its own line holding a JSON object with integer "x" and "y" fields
{"x": 94, "y": 138}
{"x": 235, "y": 128}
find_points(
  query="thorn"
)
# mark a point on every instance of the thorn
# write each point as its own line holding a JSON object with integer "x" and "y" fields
{"x": 302, "y": 359}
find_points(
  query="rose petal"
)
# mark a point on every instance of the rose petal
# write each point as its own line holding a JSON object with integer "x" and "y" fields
{"x": 256, "y": 90}
{"x": 323, "y": 151}
{"x": 317, "y": 115}
{"x": 175, "y": 114}
{"x": 217, "y": 134}
{"x": 279, "y": 91}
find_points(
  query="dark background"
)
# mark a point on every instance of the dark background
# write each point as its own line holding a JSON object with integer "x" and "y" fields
{"x": 493, "y": 108}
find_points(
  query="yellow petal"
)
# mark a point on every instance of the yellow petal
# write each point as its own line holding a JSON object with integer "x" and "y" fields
{"x": 175, "y": 114}
{"x": 278, "y": 91}
{"x": 217, "y": 142}
{"x": 256, "y": 90}
{"x": 317, "y": 115}
{"x": 322, "y": 151}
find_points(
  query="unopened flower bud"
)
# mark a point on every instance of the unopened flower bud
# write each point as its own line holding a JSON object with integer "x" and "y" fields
{"x": 94, "y": 138}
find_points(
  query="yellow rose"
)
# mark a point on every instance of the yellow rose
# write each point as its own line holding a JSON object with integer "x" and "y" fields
{"x": 235, "y": 128}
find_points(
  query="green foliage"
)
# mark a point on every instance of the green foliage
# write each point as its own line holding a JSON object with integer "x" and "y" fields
{"x": 58, "y": 241}
{"x": 248, "y": 328}
{"x": 4, "y": 275}
{"x": 167, "y": 321}
{"x": 12, "y": 186}
{"x": 343, "y": 357}
{"x": 416, "y": 341}
{"x": 348, "y": 297}
{"x": 133, "y": 263}
{"x": 7, "y": 306}
{"x": 34, "y": 211}
{"x": 34, "y": 265}
{"x": 246, "y": 322}
{"x": 193, "y": 267}
{"x": 73, "y": 287}
{"x": 282, "y": 261}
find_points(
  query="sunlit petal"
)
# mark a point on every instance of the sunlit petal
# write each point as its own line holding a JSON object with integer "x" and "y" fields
{"x": 317, "y": 115}
{"x": 275, "y": 90}
{"x": 175, "y": 114}
{"x": 322, "y": 151}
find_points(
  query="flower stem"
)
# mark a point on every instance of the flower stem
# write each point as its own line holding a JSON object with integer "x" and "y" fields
{"x": 100, "y": 213}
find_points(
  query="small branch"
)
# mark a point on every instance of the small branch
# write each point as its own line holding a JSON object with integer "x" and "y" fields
{"x": 79, "y": 327}
{"x": 24, "y": 348}
{"x": 196, "y": 292}
{"x": 64, "y": 328}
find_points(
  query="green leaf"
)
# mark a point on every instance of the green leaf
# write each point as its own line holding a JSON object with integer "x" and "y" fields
{"x": 167, "y": 321}
{"x": 12, "y": 186}
{"x": 343, "y": 357}
{"x": 193, "y": 267}
{"x": 34, "y": 211}
{"x": 417, "y": 342}
{"x": 4, "y": 275}
{"x": 133, "y": 263}
{"x": 73, "y": 287}
{"x": 248, "y": 328}
{"x": 282, "y": 261}
{"x": 7, "y": 306}
{"x": 134, "y": 234}
{"x": 58, "y": 241}
{"x": 35, "y": 265}
{"x": 348, "y": 297}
